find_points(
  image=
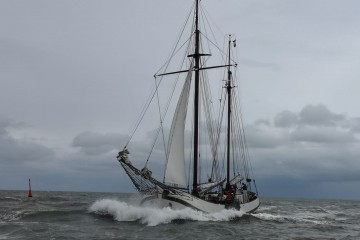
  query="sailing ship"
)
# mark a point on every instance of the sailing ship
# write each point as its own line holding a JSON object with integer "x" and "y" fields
{"x": 229, "y": 184}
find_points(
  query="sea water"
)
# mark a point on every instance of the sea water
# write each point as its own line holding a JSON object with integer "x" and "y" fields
{"x": 74, "y": 215}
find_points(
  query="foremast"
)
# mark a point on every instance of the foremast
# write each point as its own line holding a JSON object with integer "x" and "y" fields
{"x": 228, "y": 89}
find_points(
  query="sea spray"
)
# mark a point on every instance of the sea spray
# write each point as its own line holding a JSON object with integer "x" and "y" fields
{"x": 122, "y": 211}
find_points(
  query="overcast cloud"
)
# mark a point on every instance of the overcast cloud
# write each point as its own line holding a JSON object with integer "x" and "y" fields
{"x": 75, "y": 74}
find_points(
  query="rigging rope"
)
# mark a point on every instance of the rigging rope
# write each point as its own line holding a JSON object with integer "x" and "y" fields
{"x": 155, "y": 89}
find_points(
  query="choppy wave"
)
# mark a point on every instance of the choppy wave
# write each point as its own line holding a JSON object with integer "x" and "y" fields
{"x": 288, "y": 218}
{"x": 71, "y": 215}
{"x": 7, "y": 216}
{"x": 29, "y": 215}
{"x": 10, "y": 199}
{"x": 121, "y": 211}
{"x": 314, "y": 213}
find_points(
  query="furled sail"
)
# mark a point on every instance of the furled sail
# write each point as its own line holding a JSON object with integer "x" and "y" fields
{"x": 175, "y": 173}
{"x": 238, "y": 178}
{"x": 207, "y": 187}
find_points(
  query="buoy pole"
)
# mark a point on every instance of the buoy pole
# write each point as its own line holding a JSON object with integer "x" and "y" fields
{"x": 30, "y": 193}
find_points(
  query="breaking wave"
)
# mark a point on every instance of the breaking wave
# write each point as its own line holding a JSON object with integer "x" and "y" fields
{"x": 121, "y": 211}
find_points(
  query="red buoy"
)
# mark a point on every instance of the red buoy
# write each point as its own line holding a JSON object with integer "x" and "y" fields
{"x": 30, "y": 193}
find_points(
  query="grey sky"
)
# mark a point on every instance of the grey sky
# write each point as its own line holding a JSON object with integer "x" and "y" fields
{"x": 75, "y": 74}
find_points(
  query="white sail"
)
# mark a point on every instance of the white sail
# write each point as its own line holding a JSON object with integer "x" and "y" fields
{"x": 175, "y": 173}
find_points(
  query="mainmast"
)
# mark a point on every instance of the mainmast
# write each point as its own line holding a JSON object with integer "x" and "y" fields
{"x": 197, "y": 68}
{"x": 228, "y": 88}
{"x": 196, "y": 57}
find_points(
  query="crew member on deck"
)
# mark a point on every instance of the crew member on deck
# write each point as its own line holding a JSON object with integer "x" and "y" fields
{"x": 244, "y": 190}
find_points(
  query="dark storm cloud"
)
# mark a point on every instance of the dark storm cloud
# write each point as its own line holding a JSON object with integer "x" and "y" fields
{"x": 20, "y": 151}
{"x": 316, "y": 123}
{"x": 312, "y": 115}
{"x": 6, "y": 122}
{"x": 322, "y": 135}
{"x": 97, "y": 143}
{"x": 319, "y": 115}
{"x": 313, "y": 146}
{"x": 354, "y": 125}
{"x": 264, "y": 136}
{"x": 286, "y": 119}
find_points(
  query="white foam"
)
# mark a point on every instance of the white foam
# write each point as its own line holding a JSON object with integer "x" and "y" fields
{"x": 151, "y": 216}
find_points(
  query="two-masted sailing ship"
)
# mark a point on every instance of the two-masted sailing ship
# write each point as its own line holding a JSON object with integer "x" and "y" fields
{"x": 228, "y": 182}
